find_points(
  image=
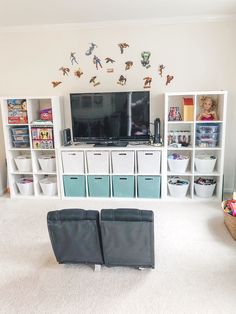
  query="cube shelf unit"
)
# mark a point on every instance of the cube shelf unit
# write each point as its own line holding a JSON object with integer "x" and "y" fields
{"x": 24, "y": 128}
{"x": 173, "y": 129}
{"x": 130, "y": 172}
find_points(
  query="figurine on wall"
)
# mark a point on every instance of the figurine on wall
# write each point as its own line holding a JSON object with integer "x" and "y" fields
{"x": 78, "y": 73}
{"x": 145, "y": 59}
{"x": 208, "y": 109}
{"x": 91, "y": 48}
{"x": 55, "y": 83}
{"x": 169, "y": 78}
{"x": 122, "y": 80}
{"x": 128, "y": 65}
{"x": 147, "y": 82}
{"x": 122, "y": 46}
{"x": 73, "y": 58}
{"x": 161, "y": 68}
{"x": 93, "y": 80}
{"x": 109, "y": 60}
{"x": 65, "y": 71}
{"x": 97, "y": 62}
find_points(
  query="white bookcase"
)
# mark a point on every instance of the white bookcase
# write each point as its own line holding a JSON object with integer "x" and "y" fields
{"x": 14, "y": 149}
{"x": 173, "y": 129}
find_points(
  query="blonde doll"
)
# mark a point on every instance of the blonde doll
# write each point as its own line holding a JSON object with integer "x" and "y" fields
{"x": 208, "y": 107}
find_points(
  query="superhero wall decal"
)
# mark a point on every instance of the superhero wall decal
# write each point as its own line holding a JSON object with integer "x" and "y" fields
{"x": 110, "y": 65}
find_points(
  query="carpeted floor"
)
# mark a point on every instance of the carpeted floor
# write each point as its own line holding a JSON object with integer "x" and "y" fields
{"x": 195, "y": 264}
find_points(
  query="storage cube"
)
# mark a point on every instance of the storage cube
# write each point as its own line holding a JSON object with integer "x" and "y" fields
{"x": 98, "y": 162}
{"x": 148, "y": 162}
{"x": 99, "y": 186}
{"x": 73, "y": 162}
{"x": 74, "y": 186}
{"x": 123, "y": 186}
{"x": 149, "y": 186}
{"x": 123, "y": 162}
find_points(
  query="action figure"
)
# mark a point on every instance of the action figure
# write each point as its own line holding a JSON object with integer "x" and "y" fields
{"x": 97, "y": 62}
{"x": 78, "y": 73}
{"x": 55, "y": 83}
{"x": 90, "y": 50}
{"x": 109, "y": 60}
{"x": 145, "y": 59}
{"x": 169, "y": 78}
{"x": 72, "y": 58}
{"x": 128, "y": 65}
{"x": 65, "y": 71}
{"x": 122, "y": 46}
{"x": 147, "y": 82}
{"x": 122, "y": 80}
{"x": 161, "y": 68}
{"x": 93, "y": 80}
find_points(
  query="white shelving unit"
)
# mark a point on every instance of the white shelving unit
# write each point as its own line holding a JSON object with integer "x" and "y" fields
{"x": 33, "y": 106}
{"x": 103, "y": 160}
{"x": 192, "y": 150}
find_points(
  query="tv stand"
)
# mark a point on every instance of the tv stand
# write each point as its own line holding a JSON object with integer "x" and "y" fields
{"x": 111, "y": 144}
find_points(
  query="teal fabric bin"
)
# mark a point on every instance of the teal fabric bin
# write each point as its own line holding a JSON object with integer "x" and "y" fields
{"x": 149, "y": 186}
{"x": 99, "y": 186}
{"x": 123, "y": 186}
{"x": 74, "y": 186}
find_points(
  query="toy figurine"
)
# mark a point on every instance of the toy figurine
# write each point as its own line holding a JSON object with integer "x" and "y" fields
{"x": 122, "y": 80}
{"x": 78, "y": 73}
{"x": 93, "y": 80}
{"x": 128, "y": 65}
{"x": 161, "y": 68}
{"x": 72, "y": 58}
{"x": 145, "y": 59}
{"x": 109, "y": 60}
{"x": 55, "y": 83}
{"x": 208, "y": 107}
{"x": 65, "y": 71}
{"x": 97, "y": 62}
{"x": 169, "y": 78}
{"x": 122, "y": 46}
{"x": 90, "y": 50}
{"x": 147, "y": 82}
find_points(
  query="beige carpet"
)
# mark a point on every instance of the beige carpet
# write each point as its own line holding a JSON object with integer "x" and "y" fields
{"x": 195, "y": 264}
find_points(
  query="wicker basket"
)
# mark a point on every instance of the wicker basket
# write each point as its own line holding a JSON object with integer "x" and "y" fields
{"x": 230, "y": 222}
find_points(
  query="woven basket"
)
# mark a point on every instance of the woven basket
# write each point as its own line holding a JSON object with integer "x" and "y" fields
{"x": 230, "y": 222}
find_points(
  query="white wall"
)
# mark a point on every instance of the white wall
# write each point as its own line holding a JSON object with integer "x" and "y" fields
{"x": 200, "y": 56}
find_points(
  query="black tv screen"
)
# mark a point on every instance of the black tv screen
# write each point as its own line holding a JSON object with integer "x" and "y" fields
{"x": 111, "y": 116}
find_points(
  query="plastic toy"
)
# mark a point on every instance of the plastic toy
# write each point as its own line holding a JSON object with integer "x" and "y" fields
{"x": 55, "y": 83}
{"x": 169, "y": 78}
{"x": 208, "y": 107}
{"x": 109, "y": 60}
{"x": 65, "y": 71}
{"x": 145, "y": 59}
{"x": 90, "y": 50}
{"x": 128, "y": 65}
{"x": 97, "y": 62}
{"x": 122, "y": 80}
{"x": 147, "y": 82}
{"x": 72, "y": 58}
{"x": 78, "y": 73}
{"x": 161, "y": 68}
{"x": 93, "y": 80}
{"x": 122, "y": 46}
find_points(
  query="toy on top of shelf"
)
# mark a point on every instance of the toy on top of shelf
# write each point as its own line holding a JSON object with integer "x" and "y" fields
{"x": 174, "y": 114}
{"x": 188, "y": 108}
{"x": 208, "y": 107}
{"x": 17, "y": 111}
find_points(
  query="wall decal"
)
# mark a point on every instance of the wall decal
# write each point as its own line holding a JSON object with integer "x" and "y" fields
{"x": 161, "y": 68}
{"x": 110, "y": 70}
{"x": 128, "y": 65}
{"x": 169, "y": 78}
{"x": 97, "y": 62}
{"x": 93, "y": 80}
{"x": 65, "y": 71}
{"x": 78, "y": 73}
{"x": 90, "y": 49}
{"x": 147, "y": 82}
{"x": 122, "y": 80}
{"x": 122, "y": 46}
{"x": 109, "y": 60}
{"x": 55, "y": 83}
{"x": 73, "y": 58}
{"x": 145, "y": 59}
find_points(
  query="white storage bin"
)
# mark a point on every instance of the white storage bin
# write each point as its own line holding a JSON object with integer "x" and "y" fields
{"x": 205, "y": 191}
{"x": 23, "y": 163}
{"x": 178, "y": 165}
{"x": 98, "y": 162}
{"x": 49, "y": 186}
{"x": 178, "y": 191}
{"x": 73, "y": 162}
{"x": 122, "y": 162}
{"x": 47, "y": 163}
{"x": 204, "y": 164}
{"x": 148, "y": 162}
{"x": 25, "y": 186}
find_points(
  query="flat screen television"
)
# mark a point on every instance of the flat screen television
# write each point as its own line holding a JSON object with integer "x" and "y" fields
{"x": 110, "y": 117}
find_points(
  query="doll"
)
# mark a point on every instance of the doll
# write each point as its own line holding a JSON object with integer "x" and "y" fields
{"x": 208, "y": 107}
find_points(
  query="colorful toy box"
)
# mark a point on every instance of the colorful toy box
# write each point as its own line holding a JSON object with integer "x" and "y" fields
{"x": 46, "y": 114}
{"x": 17, "y": 111}
{"x": 42, "y": 137}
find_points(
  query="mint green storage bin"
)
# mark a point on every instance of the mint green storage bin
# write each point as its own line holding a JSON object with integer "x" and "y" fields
{"x": 123, "y": 186}
{"x": 149, "y": 186}
{"x": 74, "y": 186}
{"x": 98, "y": 186}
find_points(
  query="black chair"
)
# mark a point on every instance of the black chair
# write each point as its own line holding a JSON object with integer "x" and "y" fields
{"x": 75, "y": 236}
{"x": 128, "y": 237}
